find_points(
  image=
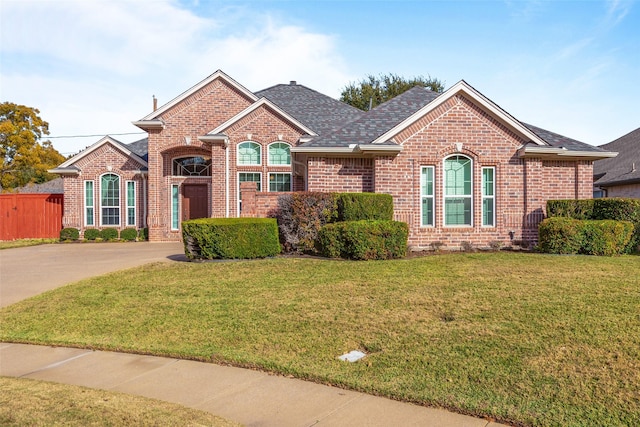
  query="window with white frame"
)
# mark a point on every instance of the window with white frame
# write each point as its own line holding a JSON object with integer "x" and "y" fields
{"x": 249, "y": 153}
{"x": 88, "y": 204}
{"x": 279, "y": 182}
{"x": 175, "y": 207}
{"x": 110, "y": 199}
{"x": 279, "y": 154}
{"x": 131, "y": 203}
{"x": 427, "y": 200}
{"x": 191, "y": 166}
{"x": 488, "y": 196}
{"x": 248, "y": 177}
{"x": 458, "y": 196}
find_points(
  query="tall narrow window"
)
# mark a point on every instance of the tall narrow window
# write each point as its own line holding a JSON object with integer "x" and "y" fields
{"x": 457, "y": 191}
{"x": 488, "y": 197}
{"x": 280, "y": 154}
{"x": 427, "y": 207}
{"x": 131, "y": 203}
{"x": 248, "y": 177}
{"x": 88, "y": 203}
{"x": 249, "y": 153}
{"x": 175, "y": 207}
{"x": 279, "y": 182}
{"x": 110, "y": 199}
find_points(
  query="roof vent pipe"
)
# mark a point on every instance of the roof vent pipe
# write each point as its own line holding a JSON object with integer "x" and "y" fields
{"x": 633, "y": 167}
{"x": 293, "y": 83}
{"x": 155, "y": 103}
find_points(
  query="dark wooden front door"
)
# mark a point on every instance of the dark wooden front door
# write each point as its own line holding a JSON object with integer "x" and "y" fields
{"x": 195, "y": 202}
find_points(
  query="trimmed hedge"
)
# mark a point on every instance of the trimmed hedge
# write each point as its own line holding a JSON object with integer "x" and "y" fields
{"x": 230, "y": 238}
{"x": 69, "y": 233}
{"x": 360, "y": 206}
{"x": 561, "y": 235}
{"x": 129, "y": 234}
{"x": 619, "y": 209}
{"x": 109, "y": 234}
{"x": 91, "y": 234}
{"x": 364, "y": 240}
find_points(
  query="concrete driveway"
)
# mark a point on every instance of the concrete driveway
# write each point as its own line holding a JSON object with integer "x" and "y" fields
{"x": 29, "y": 271}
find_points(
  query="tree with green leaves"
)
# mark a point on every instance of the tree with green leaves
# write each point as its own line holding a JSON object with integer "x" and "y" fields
{"x": 24, "y": 158}
{"x": 373, "y": 91}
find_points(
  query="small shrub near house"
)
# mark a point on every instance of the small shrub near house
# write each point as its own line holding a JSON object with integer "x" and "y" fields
{"x": 560, "y": 235}
{"x": 129, "y": 234}
{"x": 364, "y": 240}
{"x": 108, "y": 234}
{"x": 360, "y": 206}
{"x": 91, "y": 234}
{"x": 143, "y": 234}
{"x": 69, "y": 233}
{"x": 230, "y": 238}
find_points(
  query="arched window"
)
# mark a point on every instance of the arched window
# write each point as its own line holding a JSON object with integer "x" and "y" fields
{"x": 279, "y": 154}
{"x": 458, "y": 191}
{"x": 249, "y": 153}
{"x": 110, "y": 199}
{"x": 192, "y": 166}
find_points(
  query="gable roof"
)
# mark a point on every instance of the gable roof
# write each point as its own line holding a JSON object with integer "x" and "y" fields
{"x": 623, "y": 169}
{"x": 68, "y": 167}
{"x": 321, "y": 113}
{"x": 55, "y": 186}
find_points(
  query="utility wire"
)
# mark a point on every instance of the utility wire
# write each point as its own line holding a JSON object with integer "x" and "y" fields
{"x": 91, "y": 136}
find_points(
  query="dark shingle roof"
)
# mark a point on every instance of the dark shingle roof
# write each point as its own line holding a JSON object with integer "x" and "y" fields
{"x": 55, "y": 186}
{"x": 556, "y": 140}
{"x": 374, "y": 123}
{"x": 141, "y": 148}
{"x": 321, "y": 113}
{"x": 625, "y": 167}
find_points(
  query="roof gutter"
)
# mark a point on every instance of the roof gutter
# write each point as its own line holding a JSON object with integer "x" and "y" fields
{"x": 149, "y": 124}
{"x": 65, "y": 171}
{"x": 561, "y": 153}
{"x": 352, "y": 149}
{"x": 215, "y": 138}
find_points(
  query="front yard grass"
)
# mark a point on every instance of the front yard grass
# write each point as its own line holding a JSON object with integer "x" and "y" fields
{"x": 9, "y": 244}
{"x": 523, "y": 338}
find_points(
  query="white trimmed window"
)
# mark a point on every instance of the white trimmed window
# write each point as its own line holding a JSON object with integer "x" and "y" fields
{"x": 191, "y": 166}
{"x": 427, "y": 200}
{"x": 279, "y": 154}
{"x": 249, "y": 154}
{"x": 458, "y": 194}
{"x": 89, "y": 219}
{"x": 248, "y": 177}
{"x": 131, "y": 203}
{"x": 279, "y": 182}
{"x": 175, "y": 207}
{"x": 110, "y": 199}
{"x": 488, "y": 196}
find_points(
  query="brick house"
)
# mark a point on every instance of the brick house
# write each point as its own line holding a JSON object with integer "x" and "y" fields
{"x": 459, "y": 167}
{"x": 619, "y": 176}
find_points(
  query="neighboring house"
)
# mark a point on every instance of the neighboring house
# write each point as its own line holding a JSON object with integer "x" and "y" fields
{"x": 55, "y": 186}
{"x": 619, "y": 176}
{"x": 459, "y": 167}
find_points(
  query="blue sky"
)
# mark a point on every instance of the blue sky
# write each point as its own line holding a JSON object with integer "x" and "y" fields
{"x": 92, "y": 67}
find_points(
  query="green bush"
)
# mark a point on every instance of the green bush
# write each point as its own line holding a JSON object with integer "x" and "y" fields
{"x": 129, "y": 234}
{"x": 109, "y": 234}
{"x": 606, "y": 237}
{"x": 359, "y": 206}
{"x": 364, "y": 240}
{"x": 91, "y": 234}
{"x": 69, "y": 233}
{"x": 560, "y": 235}
{"x": 143, "y": 234}
{"x": 576, "y": 209}
{"x": 230, "y": 238}
{"x": 300, "y": 217}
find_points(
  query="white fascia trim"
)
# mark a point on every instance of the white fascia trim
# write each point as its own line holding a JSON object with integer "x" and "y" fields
{"x": 380, "y": 148}
{"x": 217, "y": 75}
{"x": 326, "y": 150}
{"x": 564, "y": 153}
{"x": 103, "y": 141}
{"x": 219, "y": 137}
{"x": 465, "y": 88}
{"x": 149, "y": 124}
{"x": 261, "y": 102}
{"x": 64, "y": 171}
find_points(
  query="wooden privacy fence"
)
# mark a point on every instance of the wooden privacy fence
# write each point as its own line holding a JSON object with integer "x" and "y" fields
{"x": 30, "y": 216}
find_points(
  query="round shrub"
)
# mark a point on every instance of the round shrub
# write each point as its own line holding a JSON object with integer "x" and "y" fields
{"x": 365, "y": 240}
{"x": 560, "y": 235}
{"x": 109, "y": 234}
{"x": 129, "y": 234}
{"x": 69, "y": 233}
{"x": 91, "y": 234}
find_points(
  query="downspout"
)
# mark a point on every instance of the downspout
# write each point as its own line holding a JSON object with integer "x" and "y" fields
{"x": 226, "y": 176}
{"x": 144, "y": 200}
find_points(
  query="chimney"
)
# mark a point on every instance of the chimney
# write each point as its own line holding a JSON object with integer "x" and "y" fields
{"x": 293, "y": 83}
{"x": 155, "y": 103}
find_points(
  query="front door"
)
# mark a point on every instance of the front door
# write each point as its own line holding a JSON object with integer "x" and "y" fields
{"x": 195, "y": 202}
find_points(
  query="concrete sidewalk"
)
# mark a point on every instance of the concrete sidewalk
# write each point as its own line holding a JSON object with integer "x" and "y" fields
{"x": 250, "y": 397}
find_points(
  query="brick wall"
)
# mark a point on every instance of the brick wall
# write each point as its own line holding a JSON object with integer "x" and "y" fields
{"x": 340, "y": 174}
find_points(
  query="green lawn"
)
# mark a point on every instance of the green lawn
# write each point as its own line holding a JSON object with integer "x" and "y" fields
{"x": 9, "y": 244}
{"x": 523, "y": 338}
